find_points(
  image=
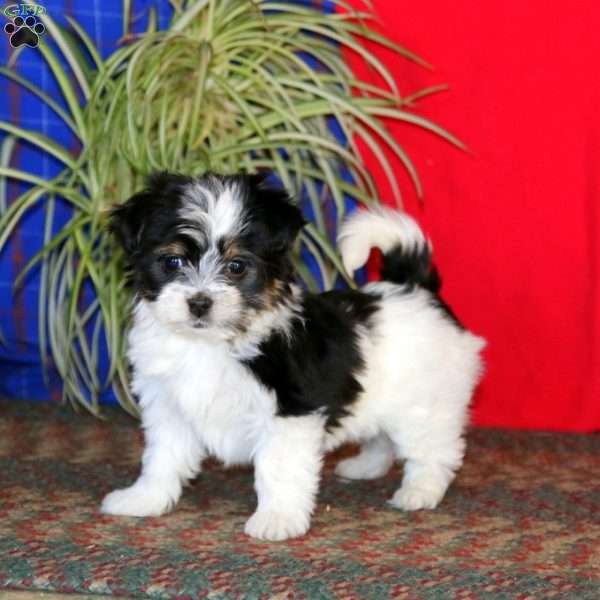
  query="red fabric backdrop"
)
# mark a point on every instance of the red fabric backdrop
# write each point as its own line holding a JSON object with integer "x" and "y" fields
{"x": 514, "y": 222}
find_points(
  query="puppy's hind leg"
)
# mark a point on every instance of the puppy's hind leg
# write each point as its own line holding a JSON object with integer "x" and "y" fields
{"x": 375, "y": 459}
{"x": 172, "y": 455}
{"x": 428, "y": 471}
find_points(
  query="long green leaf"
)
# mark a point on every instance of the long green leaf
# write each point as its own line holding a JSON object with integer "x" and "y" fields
{"x": 72, "y": 56}
{"x": 47, "y": 100}
{"x": 41, "y": 141}
{"x": 66, "y": 88}
{"x": 6, "y": 151}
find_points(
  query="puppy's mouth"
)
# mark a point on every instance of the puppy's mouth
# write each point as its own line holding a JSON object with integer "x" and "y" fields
{"x": 200, "y": 323}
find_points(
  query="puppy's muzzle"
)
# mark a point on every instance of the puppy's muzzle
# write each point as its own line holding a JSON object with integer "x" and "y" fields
{"x": 199, "y": 305}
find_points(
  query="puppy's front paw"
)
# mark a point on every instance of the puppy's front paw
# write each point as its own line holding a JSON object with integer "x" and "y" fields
{"x": 276, "y": 526}
{"x": 137, "y": 501}
{"x": 414, "y": 498}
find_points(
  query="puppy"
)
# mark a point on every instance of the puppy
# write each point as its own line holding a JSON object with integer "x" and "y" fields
{"x": 232, "y": 359}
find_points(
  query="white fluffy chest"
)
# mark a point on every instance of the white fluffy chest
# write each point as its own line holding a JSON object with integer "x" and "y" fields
{"x": 197, "y": 380}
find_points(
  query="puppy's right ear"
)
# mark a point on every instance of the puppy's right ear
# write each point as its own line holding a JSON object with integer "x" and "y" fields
{"x": 126, "y": 222}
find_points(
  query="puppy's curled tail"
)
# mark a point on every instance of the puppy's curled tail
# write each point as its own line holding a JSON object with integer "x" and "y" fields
{"x": 406, "y": 251}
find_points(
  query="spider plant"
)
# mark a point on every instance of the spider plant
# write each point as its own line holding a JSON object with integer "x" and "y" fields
{"x": 230, "y": 85}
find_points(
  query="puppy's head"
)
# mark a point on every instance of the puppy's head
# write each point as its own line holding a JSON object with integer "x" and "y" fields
{"x": 208, "y": 253}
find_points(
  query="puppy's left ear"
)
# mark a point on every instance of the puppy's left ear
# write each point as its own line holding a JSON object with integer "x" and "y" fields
{"x": 280, "y": 214}
{"x": 286, "y": 221}
{"x": 126, "y": 222}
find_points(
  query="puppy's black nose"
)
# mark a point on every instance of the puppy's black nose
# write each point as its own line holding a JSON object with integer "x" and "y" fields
{"x": 199, "y": 305}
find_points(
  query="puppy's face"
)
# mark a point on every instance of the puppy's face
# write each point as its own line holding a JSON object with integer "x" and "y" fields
{"x": 208, "y": 253}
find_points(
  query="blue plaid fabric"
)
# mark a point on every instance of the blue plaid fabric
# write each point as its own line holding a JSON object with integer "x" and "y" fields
{"x": 21, "y": 374}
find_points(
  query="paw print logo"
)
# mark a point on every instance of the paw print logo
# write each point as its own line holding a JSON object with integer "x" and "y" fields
{"x": 25, "y": 31}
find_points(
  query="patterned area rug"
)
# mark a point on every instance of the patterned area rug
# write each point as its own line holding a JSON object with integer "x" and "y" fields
{"x": 521, "y": 521}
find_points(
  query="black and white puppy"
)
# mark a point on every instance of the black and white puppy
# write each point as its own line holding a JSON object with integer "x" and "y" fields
{"x": 232, "y": 359}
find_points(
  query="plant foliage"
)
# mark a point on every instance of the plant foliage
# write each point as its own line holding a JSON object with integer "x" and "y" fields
{"x": 230, "y": 85}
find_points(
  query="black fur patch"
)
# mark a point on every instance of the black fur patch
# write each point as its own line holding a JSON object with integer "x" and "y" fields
{"x": 272, "y": 224}
{"x": 415, "y": 268}
{"x": 411, "y": 268}
{"x": 317, "y": 366}
{"x": 146, "y": 221}
{"x": 142, "y": 221}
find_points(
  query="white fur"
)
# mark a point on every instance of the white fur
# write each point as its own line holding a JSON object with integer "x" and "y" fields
{"x": 288, "y": 464}
{"x": 421, "y": 372}
{"x": 375, "y": 459}
{"x": 220, "y": 214}
{"x": 379, "y": 227}
{"x": 197, "y": 399}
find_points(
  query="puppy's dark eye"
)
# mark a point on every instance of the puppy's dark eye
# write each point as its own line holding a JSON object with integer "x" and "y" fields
{"x": 236, "y": 267}
{"x": 173, "y": 262}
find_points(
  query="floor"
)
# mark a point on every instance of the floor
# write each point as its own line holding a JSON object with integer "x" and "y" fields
{"x": 521, "y": 521}
{"x": 12, "y": 595}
